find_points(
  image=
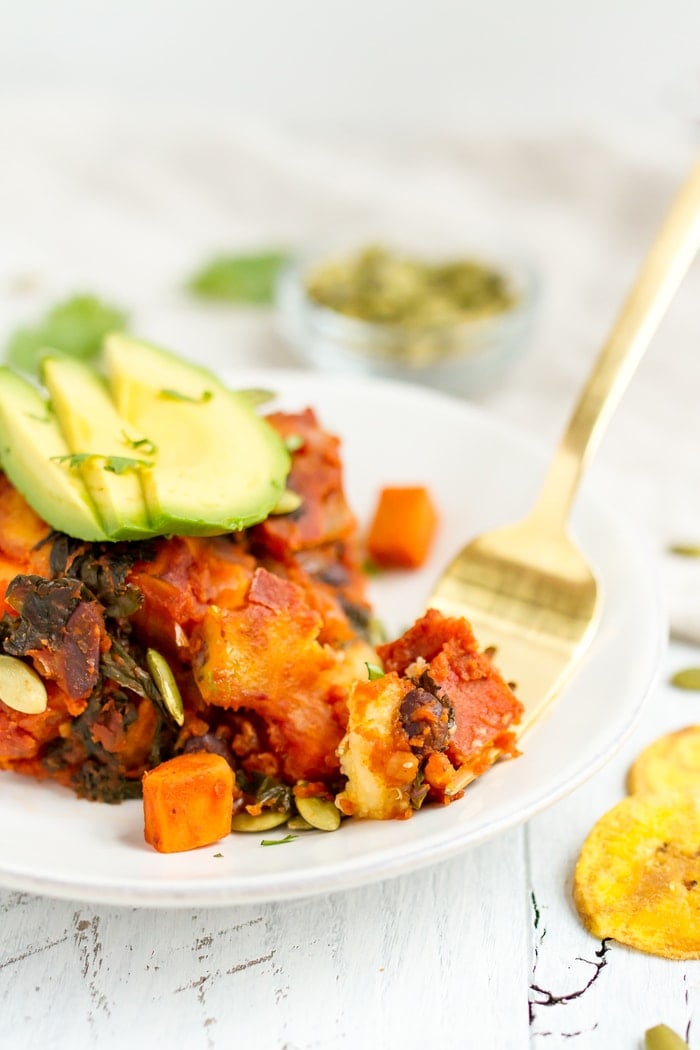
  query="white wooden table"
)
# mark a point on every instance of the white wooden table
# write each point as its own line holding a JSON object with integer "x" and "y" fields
{"x": 484, "y": 950}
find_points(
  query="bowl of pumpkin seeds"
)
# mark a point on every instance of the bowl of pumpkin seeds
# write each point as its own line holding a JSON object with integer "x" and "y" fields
{"x": 454, "y": 322}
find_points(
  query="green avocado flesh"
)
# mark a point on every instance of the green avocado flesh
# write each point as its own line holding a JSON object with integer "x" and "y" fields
{"x": 218, "y": 467}
{"x": 33, "y": 454}
{"x": 161, "y": 448}
{"x": 92, "y": 426}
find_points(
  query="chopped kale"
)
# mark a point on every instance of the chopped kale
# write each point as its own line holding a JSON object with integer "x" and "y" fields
{"x": 44, "y": 608}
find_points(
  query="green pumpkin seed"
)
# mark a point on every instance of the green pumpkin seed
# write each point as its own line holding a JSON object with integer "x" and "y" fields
{"x": 287, "y": 502}
{"x": 20, "y": 687}
{"x": 688, "y": 678}
{"x": 319, "y": 813}
{"x": 256, "y": 395}
{"x": 685, "y": 550}
{"x": 661, "y": 1037}
{"x": 265, "y": 821}
{"x": 299, "y": 824}
{"x": 166, "y": 684}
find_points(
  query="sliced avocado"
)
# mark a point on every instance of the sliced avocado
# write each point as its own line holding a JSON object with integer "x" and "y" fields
{"x": 92, "y": 427}
{"x": 219, "y": 466}
{"x": 35, "y": 457}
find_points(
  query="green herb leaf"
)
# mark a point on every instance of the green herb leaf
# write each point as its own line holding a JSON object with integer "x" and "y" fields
{"x": 278, "y": 842}
{"x": 370, "y": 569}
{"x": 175, "y": 395}
{"x": 120, "y": 464}
{"x": 688, "y": 678}
{"x": 246, "y": 278}
{"x": 76, "y": 459}
{"x": 75, "y": 327}
{"x": 217, "y": 854}
{"x": 113, "y": 464}
{"x": 374, "y": 671}
{"x": 145, "y": 444}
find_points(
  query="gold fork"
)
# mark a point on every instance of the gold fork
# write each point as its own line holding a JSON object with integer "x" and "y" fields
{"x": 526, "y": 588}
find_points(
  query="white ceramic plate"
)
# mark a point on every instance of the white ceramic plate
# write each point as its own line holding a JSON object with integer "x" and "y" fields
{"x": 482, "y": 473}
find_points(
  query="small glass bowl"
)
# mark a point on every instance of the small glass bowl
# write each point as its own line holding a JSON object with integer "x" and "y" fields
{"x": 468, "y": 358}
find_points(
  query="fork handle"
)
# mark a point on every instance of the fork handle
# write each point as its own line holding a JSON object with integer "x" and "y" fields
{"x": 665, "y": 266}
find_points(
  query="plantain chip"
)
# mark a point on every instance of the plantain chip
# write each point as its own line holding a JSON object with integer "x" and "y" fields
{"x": 671, "y": 763}
{"x": 637, "y": 879}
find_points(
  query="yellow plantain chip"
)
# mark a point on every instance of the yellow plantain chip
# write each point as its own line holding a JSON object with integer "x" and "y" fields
{"x": 671, "y": 763}
{"x": 637, "y": 879}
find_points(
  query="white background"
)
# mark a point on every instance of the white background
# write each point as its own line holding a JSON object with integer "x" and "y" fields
{"x": 376, "y": 66}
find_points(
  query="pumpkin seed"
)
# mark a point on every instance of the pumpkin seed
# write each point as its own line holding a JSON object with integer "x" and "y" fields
{"x": 299, "y": 824}
{"x": 257, "y": 395}
{"x": 320, "y": 813}
{"x": 21, "y": 688}
{"x": 661, "y": 1037}
{"x": 287, "y": 502}
{"x": 688, "y": 678}
{"x": 265, "y": 821}
{"x": 166, "y": 684}
{"x": 685, "y": 550}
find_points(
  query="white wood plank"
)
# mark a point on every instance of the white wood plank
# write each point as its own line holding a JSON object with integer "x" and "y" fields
{"x": 396, "y": 965}
{"x": 602, "y": 995}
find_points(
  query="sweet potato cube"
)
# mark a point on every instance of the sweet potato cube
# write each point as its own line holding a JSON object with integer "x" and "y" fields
{"x": 187, "y": 802}
{"x": 402, "y": 528}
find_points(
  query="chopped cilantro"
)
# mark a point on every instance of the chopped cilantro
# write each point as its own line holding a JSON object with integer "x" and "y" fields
{"x": 278, "y": 842}
{"x": 112, "y": 464}
{"x": 145, "y": 444}
{"x": 176, "y": 395}
{"x": 75, "y": 327}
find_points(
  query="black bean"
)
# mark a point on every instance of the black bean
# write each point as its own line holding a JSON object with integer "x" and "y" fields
{"x": 427, "y": 720}
{"x": 210, "y": 743}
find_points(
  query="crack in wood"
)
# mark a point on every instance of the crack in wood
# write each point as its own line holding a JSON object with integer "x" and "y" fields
{"x": 252, "y": 962}
{"x": 565, "y": 1035}
{"x": 33, "y": 951}
{"x": 550, "y": 999}
{"x": 198, "y": 985}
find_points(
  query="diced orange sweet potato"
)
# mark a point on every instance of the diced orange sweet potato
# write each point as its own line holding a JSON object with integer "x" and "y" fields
{"x": 188, "y": 802}
{"x": 402, "y": 528}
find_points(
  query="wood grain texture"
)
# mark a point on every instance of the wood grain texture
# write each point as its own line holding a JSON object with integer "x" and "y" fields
{"x": 591, "y": 993}
{"x": 393, "y": 965}
{"x": 450, "y": 954}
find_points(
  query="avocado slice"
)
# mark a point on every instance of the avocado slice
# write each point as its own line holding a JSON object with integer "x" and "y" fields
{"x": 219, "y": 466}
{"x": 115, "y": 457}
{"x": 35, "y": 457}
